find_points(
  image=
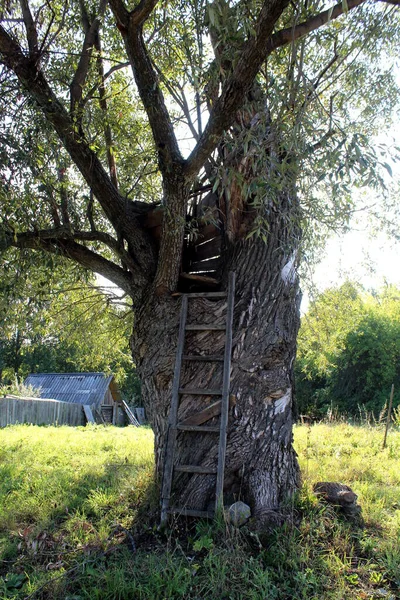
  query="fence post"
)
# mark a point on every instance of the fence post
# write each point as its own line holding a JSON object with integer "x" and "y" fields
{"x": 388, "y": 415}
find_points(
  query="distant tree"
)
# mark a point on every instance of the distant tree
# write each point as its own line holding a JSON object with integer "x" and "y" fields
{"x": 61, "y": 322}
{"x": 349, "y": 350}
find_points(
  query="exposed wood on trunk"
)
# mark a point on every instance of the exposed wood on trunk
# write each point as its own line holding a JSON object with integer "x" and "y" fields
{"x": 205, "y": 415}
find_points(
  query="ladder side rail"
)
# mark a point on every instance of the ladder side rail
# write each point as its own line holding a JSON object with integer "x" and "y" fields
{"x": 225, "y": 393}
{"x": 173, "y": 414}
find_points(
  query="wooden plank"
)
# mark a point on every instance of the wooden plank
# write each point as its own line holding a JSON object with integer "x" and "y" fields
{"x": 209, "y": 358}
{"x": 389, "y": 414}
{"x": 40, "y": 411}
{"x": 201, "y": 327}
{"x": 132, "y": 419}
{"x": 208, "y": 202}
{"x": 207, "y": 232}
{"x": 225, "y": 394}
{"x": 206, "y": 250}
{"x": 200, "y": 428}
{"x": 100, "y": 416}
{"x": 207, "y": 295}
{"x": 196, "y": 469}
{"x": 200, "y": 279}
{"x": 140, "y": 415}
{"x": 88, "y": 413}
{"x": 205, "y": 266}
{"x": 200, "y": 391}
{"x": 204, "y": 415}
{"x": 173, "y": 415}
{"x": 190, "y": 512}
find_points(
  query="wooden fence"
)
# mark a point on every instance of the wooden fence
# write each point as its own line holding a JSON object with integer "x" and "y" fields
{"x": 40, "y": 412}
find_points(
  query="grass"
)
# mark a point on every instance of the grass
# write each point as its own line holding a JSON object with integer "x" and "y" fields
{"x": 77, "y": 514}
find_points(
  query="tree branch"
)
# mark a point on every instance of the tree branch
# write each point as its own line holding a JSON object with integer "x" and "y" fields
{"x": 112, "y": 165}
{"x": 31, "y": 32}
{"x": 170, "y": 160}
{"x": 254, "y": 53}
{"x": 285, "y": 36}
{"x": 56, "y": 241}
{"x": 119, "y": 211}
{"x": 147, "y": 82}
{"x": 91, "y": 31}
{"x": 142, "y": 11}
{"x": 237, "y": 85}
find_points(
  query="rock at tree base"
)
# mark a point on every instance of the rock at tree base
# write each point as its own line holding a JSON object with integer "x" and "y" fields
{"x": 339, "y": 495}
{"x": 238, "y": 513}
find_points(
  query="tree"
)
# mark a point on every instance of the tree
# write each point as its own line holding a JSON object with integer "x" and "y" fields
{"x": 58, "y": 320}
{"x": 348, "y": 351}
{"x": 264, "y": 91}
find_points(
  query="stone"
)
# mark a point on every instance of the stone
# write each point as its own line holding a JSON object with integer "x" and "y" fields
{"x": 238, "y": 513}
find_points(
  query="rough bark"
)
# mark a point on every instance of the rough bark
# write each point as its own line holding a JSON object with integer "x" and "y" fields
{"x": 261, "y": 466}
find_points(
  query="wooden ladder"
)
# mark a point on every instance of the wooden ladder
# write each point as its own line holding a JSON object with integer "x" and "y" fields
{"x": 174, "y": 427}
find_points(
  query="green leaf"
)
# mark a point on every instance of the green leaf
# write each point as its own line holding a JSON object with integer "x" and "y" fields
{"x": 388, "y": 168}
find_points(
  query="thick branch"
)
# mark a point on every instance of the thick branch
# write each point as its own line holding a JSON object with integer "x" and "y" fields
{"x": 285, "y": 36}
{"x": 237, "y": 85}
{"x": 290, "y": 34}
{"x": 57, "y": 242}
{"x": 254, "y": 53}
{"x": 169, "y": 157}
{"x": 91, "y": 31}
{"x": 142, "y": 11}
{"x": 112, "y": 165}
{"x": 31, "y": 32}
{"x": 147, "y": 82}
{"x": 119, "y": 212}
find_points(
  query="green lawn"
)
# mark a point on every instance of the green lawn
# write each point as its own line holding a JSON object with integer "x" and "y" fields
{"x": 73, "y": 501}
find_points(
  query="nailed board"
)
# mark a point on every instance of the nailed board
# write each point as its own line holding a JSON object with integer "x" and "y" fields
{"x": 88, "y": 413}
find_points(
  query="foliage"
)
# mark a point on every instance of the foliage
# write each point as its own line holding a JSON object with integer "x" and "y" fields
{"x": 327, "y": 93}
{"x": 19, "y": 389}
{"x": 55, "y": 319}
{"x": 67, "y": 527}
{"x": 349, "y": 350}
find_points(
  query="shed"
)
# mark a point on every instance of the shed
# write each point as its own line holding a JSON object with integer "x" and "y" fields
{"x": 97, "y": 390}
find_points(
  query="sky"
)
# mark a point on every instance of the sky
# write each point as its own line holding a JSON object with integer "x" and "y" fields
{"x": 367, "y": 253}
{"x": 371, "y": 261}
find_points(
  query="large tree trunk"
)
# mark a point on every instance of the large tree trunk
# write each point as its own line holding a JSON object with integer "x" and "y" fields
{"x": 261, "y": 466}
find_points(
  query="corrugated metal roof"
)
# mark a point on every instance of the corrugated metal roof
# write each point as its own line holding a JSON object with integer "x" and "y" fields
{"x": 78, "y": 388}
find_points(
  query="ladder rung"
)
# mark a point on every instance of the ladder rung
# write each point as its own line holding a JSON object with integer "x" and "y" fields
{"x": 191, "y": 512}
{"x": 207, "y": 295}
{"x": 195, "y": 469}
{"x": 200, "y": 392}
{"x": 205, "y": 327}
{"x": 210, "y": 358}
{"x": 203, "y": 428}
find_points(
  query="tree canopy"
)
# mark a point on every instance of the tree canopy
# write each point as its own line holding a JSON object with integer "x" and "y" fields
{"x": 84, "y": 144}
